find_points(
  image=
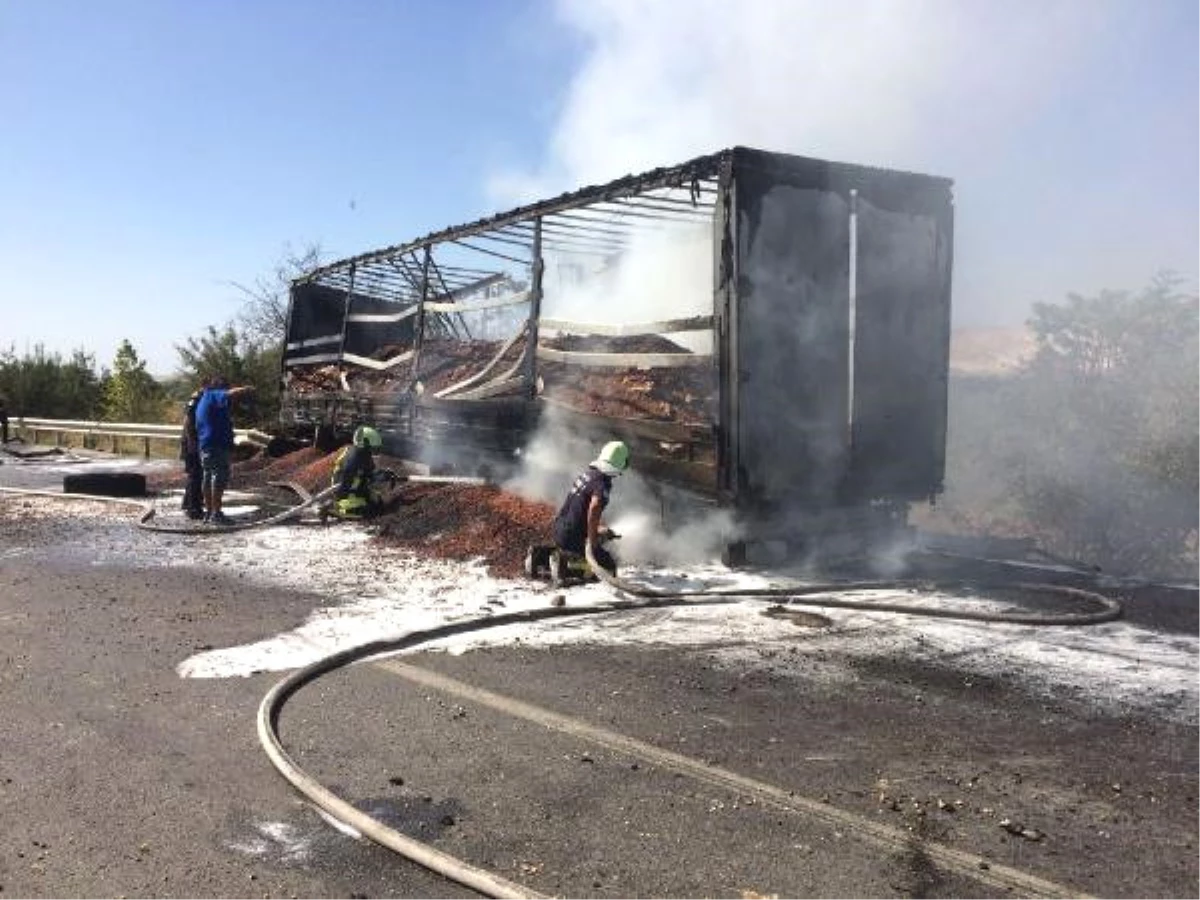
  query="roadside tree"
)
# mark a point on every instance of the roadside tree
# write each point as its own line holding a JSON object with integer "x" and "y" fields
{"x": 45, "y": 385}
{"x": 130, "y": 392}
{"x": 1093, "y": 447}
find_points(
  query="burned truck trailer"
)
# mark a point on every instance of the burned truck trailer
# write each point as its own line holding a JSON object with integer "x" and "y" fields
{"x": 769, "y": 332}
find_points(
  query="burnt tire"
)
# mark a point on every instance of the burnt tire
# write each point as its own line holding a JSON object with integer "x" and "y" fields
{"x": 106, "y": 484}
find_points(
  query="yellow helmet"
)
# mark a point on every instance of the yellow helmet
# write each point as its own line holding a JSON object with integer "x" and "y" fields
{"x": 366, "y": 436}
{"x": 613, "y": 458}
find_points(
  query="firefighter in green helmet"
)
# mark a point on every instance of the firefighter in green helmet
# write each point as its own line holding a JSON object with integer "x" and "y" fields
{"x": 578, "y": 522}
{"x": 359, "y": 484}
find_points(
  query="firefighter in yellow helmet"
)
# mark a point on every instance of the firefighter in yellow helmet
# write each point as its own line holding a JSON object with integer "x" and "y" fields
{"x": 358, "y": 483}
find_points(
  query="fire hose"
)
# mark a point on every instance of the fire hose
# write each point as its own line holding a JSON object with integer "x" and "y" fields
{"x": 492, "y": 885}
{"x": 307, "y": 500}
{"x": 149, "y": 512}
{"x": 146, "y": 523}
{"x": 1108, "y": 607}
{"x": 647, "y": 597}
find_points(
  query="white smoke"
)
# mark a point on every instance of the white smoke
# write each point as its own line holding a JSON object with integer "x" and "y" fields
{"x": 926, "y": 85}
{"x": 549, "y": 461}
{"x": 918, "y": 84}
{"x": 646, "y": 537}
{"x": 658, "y": 276}
{"x": 1007, "y": 99}
{"x": 651, "y": 529}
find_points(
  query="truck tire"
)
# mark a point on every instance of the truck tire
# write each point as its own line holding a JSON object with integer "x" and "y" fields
{"x": 106, "y": 484}
{"x": 325, "y": 438}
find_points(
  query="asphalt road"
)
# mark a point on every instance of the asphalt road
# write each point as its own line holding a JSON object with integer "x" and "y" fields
{"x": 635, "y": 771}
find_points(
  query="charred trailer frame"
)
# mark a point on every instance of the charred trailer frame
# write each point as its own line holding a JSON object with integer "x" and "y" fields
{"x": 801, "y": 382}
{"x": 833, "y": 305}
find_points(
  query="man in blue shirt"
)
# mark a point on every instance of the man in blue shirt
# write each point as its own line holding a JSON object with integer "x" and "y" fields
{"x": 214, "y": 433}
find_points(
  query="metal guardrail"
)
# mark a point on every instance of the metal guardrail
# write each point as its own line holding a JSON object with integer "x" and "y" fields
{"x": 116, "y": 431}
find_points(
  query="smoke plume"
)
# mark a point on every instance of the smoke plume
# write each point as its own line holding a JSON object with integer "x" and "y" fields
{"x": 1007, "y": 99}
{"x": 878, "y": 82}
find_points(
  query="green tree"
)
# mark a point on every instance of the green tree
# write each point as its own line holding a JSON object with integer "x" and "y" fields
{"x": 130, "y": 392}
{"x": 231, "y": 355}
{"x": 1112, "y": 396}
{"x": 44, "y": 385}
{"x": 216, "y": 352}
{"x": 1093, "y": 448}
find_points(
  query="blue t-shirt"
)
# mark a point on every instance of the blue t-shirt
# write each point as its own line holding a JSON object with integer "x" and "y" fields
{"x": 214, "y": 427}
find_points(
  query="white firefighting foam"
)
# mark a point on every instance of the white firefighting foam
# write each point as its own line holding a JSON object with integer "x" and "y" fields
{"x": 372, "y": 592}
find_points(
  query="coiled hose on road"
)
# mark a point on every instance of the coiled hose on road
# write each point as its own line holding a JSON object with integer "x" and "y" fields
{"x": 1109, "y": 608}
{"x": 491, "y": 884}
{"x": 307, "y": 500}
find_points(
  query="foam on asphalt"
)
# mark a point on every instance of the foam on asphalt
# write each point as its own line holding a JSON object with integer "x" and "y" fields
{"x": 374, "y": 592}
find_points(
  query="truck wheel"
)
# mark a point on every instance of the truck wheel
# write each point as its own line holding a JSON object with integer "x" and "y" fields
{"x": 734, "y": 555}
{"x": 106, "y": 484}
{"x": 325, "y": 438}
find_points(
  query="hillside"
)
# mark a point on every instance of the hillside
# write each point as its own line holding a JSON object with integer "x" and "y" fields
{"x": 989, "y": 351}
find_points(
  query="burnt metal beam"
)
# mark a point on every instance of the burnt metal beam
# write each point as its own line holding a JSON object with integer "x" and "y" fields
{"x": 473, "y": 274}
{"x": 558, "y": 224}
{"x": 496, "y": 236}
{"x": 686, "y": 213}
{"x": 535, "y": 309}
{"x": 468, "y": 275}
{"x": 689, "y": 176}
{"x": 419, "y": 331}
{"x": 594, "y": 248}
{"x": 373, "y": 291}
{"x": 401, "y": 266}
{"x": 625, "y": 213}
{"x": 347, "y": 302}
{"x": 565, "y": 246}
{"x": 586, "y": 240}
{"x": 495, "y": 253}
{"x": 447, "y": 292}
{"x": 689, "y": 203}
{"x": 381, "y": 277}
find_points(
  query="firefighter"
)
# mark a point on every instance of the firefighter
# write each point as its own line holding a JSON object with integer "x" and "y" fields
{"x": 360, "y": 486}
{"x": 578, "y": 522}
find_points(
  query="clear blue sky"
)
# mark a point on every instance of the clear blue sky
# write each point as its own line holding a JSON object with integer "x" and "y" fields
{"x": 153, "y": 151}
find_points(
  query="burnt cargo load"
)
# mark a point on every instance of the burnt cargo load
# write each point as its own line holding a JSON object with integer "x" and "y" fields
{"x": 768, "y": 332}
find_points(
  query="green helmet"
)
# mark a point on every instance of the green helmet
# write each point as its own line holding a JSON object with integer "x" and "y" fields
{"x": 366, "y": 436}
{"x": 613, "y": 458}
